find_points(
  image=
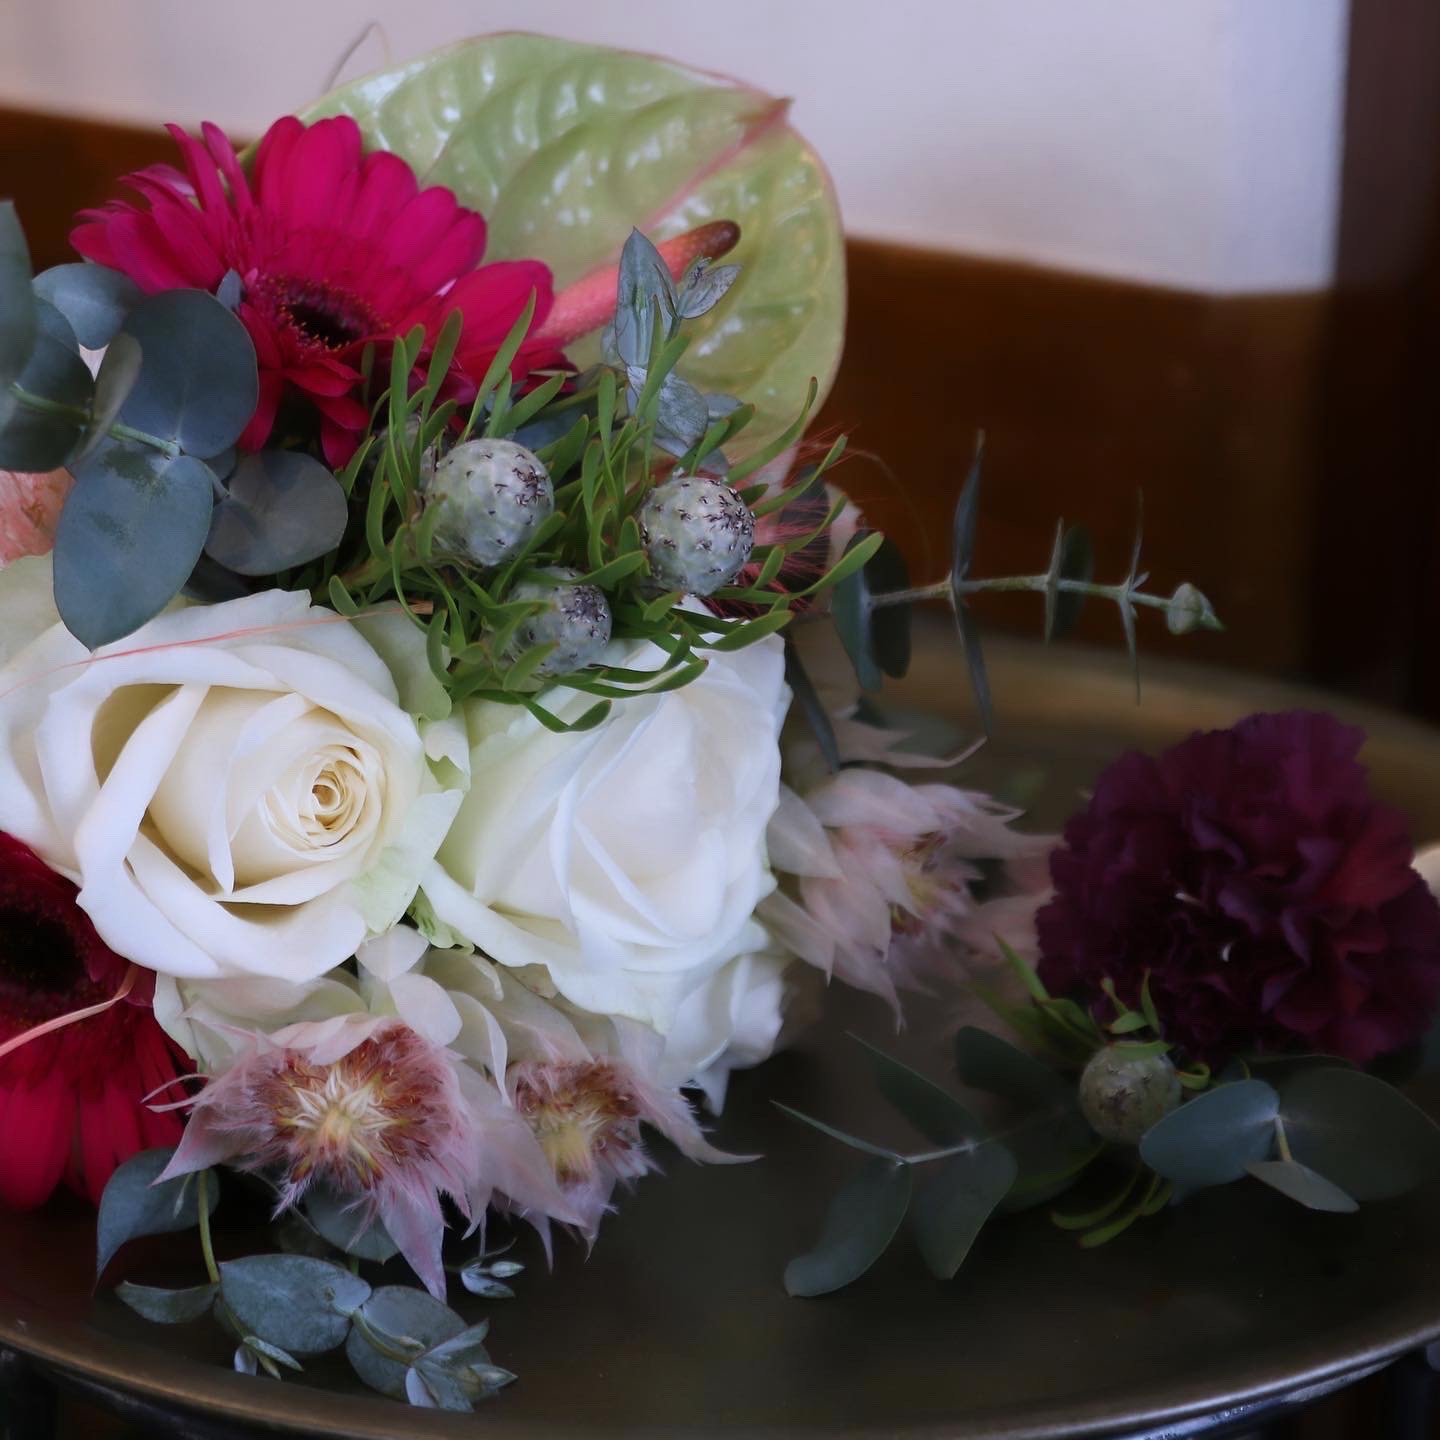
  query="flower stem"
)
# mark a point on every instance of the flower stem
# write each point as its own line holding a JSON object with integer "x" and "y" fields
{"x": 1037, "y": 584}
{"x": 1282, "y": 1140}
{"x": 202, "y": 1185}
{"x": 81, "y": 415}
{"x": 385, "y": 1344}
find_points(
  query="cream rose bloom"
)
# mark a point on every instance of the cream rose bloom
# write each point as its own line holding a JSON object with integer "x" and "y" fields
{"x": 627, "y": 860}
{"x": 235, "y": 788}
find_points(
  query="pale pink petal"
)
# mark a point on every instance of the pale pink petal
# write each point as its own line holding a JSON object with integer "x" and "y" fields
{"x": 30, "y": 508}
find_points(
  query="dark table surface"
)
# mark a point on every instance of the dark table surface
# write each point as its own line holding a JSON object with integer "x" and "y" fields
{"x": 678, "y": 1324}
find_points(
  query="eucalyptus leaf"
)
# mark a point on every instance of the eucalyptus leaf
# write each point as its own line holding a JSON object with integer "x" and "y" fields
{"x": 52, "y": 323}
{"x": 18, "y": 322}
{"x": 561, "y": 146}
{"x": 465, "y": 1349}
{"x": 951, "y": 1209}
{"x": 266, "y": 1351}
{"x": 35, "y": 440}
{"x": 200, "y": 384}
{"x": 283, "y": 509}
{"x": 129, "y": 536}
{"x": 133, "y": 1205}
{"x": 1215, "y": 1137}
{"x": 934, "y": 1112}
{"x": 963, "y": 521}
{"x": 93, "y": 298}
{"x": 876, "y": 638}
{"x": 1075, "y": 561}
{"x": 986, "y": 1062}
{"x": 118, "y": 372}
{"x": 397, "y": 1311}
{"x": 346, "y": 1226}
{"x": 474, "y": 1279}
{"x": 861, "y": 1222}
{"x": 435, "y": 1387}
{"x": 969, "y": 633}
{"x": 706, "y": 289}
{"x": 682, "y": 410}
{"x": 1302, "y": 1184}
{"x": 297, "y": 1302}
{"x": 167, "y": 1307}
{"x": 1359, "y": 1132}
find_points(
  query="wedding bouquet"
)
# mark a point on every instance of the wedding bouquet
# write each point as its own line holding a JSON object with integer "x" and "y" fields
{"x": 433, "y": 750}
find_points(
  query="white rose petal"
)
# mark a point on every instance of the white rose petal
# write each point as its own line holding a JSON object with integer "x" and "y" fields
{"x": 627, "y": 860}
{"x": 234, "y": 788}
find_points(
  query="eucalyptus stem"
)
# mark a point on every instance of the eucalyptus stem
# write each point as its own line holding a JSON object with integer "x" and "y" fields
{"x": 1282, "y": 1140}
{"x": 82, "y": 416}
{"x": 379, "y": 1340}
{"x": 1036, "y": 584}
{"x": 924, "y": 1157}
{"x": 202, "y": 1185}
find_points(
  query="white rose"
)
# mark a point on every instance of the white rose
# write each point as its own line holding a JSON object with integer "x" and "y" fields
{"x": 234, "y": 788}
{"x": 626, "y": 860}
{"x": 731, "y": 1022}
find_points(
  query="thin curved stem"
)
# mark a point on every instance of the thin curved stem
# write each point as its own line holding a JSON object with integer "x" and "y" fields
{"x": 202, "y": 1196}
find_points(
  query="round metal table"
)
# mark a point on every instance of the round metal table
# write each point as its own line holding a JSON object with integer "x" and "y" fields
{"x": 1198, "y": 1322}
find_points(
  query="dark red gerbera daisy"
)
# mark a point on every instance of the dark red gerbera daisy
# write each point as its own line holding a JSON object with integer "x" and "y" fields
{"x": 333, "y": 247}
{"x": 71, "y": 1101}
{"x": 1268, "y": 896}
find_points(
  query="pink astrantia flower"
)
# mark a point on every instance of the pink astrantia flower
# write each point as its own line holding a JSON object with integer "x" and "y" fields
{"x": 587, "y": 1115}
{"x": 881, "y": 875}
{"x": 333, "y": 248}
{"x": 360, "y": 1103}
{"x": 30, "y": 508}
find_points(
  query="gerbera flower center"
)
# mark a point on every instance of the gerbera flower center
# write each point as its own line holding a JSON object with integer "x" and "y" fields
{"x": 578, "y": 1113}
{"x": 321, "y": 314}
{"x": 41, "y": 975}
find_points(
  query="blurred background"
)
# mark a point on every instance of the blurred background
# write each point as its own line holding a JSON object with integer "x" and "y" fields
{"x": 1184, "y": 249}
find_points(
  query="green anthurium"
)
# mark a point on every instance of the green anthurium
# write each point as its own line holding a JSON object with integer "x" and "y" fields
{"x": 565, "y": 147}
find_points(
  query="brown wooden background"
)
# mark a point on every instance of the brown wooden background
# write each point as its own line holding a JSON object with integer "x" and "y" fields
{"x": 1284, "y": 444}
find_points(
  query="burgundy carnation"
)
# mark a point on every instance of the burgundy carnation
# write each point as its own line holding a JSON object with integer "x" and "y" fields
{"x": 1269, "y": 896}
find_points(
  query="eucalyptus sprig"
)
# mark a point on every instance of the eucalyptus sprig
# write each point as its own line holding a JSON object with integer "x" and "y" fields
{"x": 872, "y": 608}
{"x": 281, "y": 1309}
{"x": 1323, "y": 1134}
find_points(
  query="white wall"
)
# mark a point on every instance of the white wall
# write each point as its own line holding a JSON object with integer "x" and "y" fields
{"x": 1193, "y": 142}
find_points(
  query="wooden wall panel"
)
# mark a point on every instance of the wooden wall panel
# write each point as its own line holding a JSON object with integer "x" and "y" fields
{"x": 1090, "y": 392}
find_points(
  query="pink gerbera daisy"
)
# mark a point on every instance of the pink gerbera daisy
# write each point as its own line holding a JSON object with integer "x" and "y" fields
{"x": 71, "y": 1099}
{"x": 333, "y": 248}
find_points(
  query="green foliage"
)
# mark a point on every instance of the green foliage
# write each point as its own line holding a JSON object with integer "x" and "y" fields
{"x": 134, "y": 1205}
{"x": 199, "y": 384}
{"x": 132, "y": 528}
{"x": 1065, "y": 583}
{"x": 617, "y": 424}
{"x": 168, "y": 1307}
{"x": 876, "y": 640}
{"x": 93, "y": 298}
{"x": 296, "y": 1302}
{"x": 1214, "y": 1138}
{"x": 282, "y": 509}
{"x": 18, "y": 324}
{"x": 863, "y": 1218}
{"x": 950, "y": 1192}
{"x": 346, "y": 1227}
